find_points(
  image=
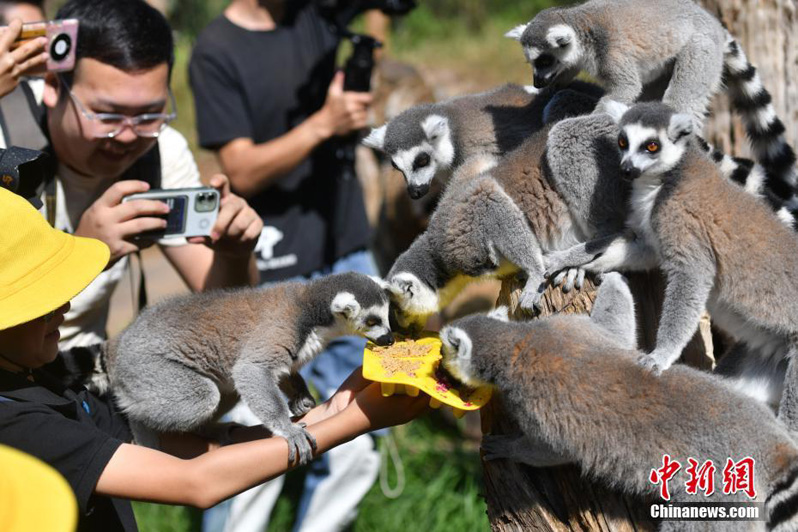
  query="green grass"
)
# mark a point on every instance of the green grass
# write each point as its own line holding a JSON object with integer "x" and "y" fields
{"x": 443, "y": 490}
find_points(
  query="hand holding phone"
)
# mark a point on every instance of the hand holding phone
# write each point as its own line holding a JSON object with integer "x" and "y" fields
{"x": 61, "y": 38}
{"x": 18, "y": 59}
{"x": 192, "y": 211}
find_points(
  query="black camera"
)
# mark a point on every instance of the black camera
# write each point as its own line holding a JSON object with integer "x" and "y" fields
{"x": 22, "y": 171}
{"x": 358, "y": 68}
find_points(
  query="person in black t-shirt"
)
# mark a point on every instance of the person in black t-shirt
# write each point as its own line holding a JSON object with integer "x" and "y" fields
{"x": 269, "y": 102}
{"x": 85, "y": 438}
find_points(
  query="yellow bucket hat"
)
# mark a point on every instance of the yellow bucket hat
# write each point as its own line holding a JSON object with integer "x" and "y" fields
{"x": 33, "y": 496}
{"x": 41, "y": 268}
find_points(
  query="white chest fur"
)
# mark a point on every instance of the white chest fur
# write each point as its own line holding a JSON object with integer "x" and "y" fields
{"x": 644, "y": 195}
{"x": 314, "y": 344}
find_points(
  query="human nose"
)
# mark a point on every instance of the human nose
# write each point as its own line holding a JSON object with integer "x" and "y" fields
{"x": 126, "y": 135}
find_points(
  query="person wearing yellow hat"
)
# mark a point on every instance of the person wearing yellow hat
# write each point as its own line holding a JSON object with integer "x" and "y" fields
{"x": 84, "y": 438}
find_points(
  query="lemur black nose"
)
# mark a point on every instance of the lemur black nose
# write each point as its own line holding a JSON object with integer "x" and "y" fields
{"x": 386, "y": 339}
{"x": 540, "y": 81}
{"x": 417, "y": 191}
{"x": 629, "y": 172}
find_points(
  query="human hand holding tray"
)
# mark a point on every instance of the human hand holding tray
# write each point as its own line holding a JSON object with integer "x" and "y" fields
{"x": 413, "y": 365}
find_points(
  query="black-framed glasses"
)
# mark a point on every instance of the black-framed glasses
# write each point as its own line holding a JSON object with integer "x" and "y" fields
{"x": 109, "y": 125}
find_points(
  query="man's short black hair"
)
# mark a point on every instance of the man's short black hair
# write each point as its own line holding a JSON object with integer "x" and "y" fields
{"x": 129, "y": 35}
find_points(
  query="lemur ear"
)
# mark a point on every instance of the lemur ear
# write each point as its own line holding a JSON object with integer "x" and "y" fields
{"x": 501, "y": 313}
{"x": 344, "y": 304}
{"x": 516, "y": 32}
{"x": 560, "y": 36}
{"x": 681, "y": 126}
{"x": 435, "y": 126}
{"x": 399, "y": 286}
{"x": 405, "y": 286}
{"x": 376, "y": 139}
{"x": 616, "y": 110}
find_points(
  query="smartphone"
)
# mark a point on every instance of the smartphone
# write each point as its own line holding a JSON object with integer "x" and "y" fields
{"x": 62, "y": 40}
{"x": 192, "y": 211}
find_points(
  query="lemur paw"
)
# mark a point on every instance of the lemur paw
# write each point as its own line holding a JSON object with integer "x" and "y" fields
{"x": 531, "y": 298}
{"x": 555, "y": 263}
{"x": 501, "y": 446}
{"x": 573, "y": 277}
{"x": 652, "y": 363}
{"x": 299, "y": 441}
{"x": 301, "y": 405}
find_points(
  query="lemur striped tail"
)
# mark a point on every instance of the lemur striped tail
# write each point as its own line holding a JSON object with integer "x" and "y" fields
{"x": 781, "y": 505}
{"x": 750, "y": 176}
{"x": 764, "y": 129}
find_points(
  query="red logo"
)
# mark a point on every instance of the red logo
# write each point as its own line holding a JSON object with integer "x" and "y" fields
{"x": 664, "y": 474}
{"x": 739, "y": 476}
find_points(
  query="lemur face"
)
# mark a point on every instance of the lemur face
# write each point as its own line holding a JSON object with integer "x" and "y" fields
{"x": 420, "y": 163}
{"x": 415, "y": 300}
{"x": 456, "y": 354}
{"x": 652, "y": 138}
{"x": 370, "y": 322}
{"x": 419, "y": 166}
{"x": 551, "y": 48}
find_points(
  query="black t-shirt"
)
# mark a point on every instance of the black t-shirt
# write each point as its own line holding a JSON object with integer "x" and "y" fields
{"x": 260, "y": 85}
{"x": 74, "y": 432}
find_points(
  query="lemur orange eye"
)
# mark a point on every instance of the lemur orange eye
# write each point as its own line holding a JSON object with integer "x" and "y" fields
{"x": 622, "y": 143}
{"x": 652, "y": 147}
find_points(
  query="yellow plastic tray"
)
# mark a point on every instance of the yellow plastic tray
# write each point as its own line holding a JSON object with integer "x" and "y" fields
{"x": 422, "y": 377}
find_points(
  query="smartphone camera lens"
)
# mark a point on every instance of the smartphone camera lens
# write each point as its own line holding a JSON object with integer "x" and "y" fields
{"x": 205, "y": 202}
{"x": 60, "y": 47}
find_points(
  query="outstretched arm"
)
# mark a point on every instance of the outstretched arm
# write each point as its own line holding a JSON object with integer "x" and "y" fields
{"x": 145, "y": 474}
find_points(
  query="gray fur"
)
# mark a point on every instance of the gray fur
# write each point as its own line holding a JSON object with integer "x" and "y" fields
{"x": 498, "y": 221}
{"x": 183, "y": 362}
{"x": 573, "y": 387}
{"x": 626, "y": 44}
{"x": 719, "y": 247}
{"x": 493, "y": 122}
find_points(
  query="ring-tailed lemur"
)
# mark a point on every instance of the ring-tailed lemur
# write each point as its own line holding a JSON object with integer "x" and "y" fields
{"x": 626, "y": 44}
{"x": 572, "y": 385}
{"x": 430, "y": 141}
{"x": 719, "y": 247}
{"x": 499, "y": 217}
{"x": 182, "y": 362}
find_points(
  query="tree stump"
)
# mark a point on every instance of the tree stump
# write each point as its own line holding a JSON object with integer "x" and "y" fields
{"x": 520, "y": 497}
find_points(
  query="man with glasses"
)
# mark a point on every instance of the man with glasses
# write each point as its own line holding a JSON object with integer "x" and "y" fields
{"x": 106, "y": 126}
